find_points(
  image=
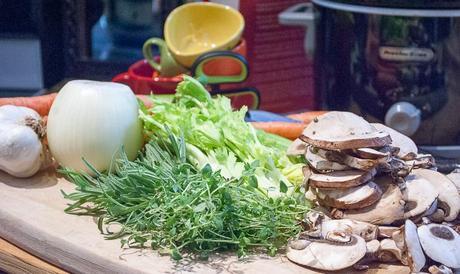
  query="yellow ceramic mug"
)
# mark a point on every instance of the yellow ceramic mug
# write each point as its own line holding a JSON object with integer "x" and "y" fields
{"x": 166, "y": 66}
{"x": 196, "y": 28}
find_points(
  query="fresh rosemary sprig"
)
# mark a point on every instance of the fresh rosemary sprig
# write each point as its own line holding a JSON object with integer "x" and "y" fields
{"x": 163, "y": 201}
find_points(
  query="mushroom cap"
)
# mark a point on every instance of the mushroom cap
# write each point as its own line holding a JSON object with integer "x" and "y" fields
{"x": 343, "y": 130}
{"x": 407, "y": 148}
{"x": 341, "y": 179}
{"x": 419, "y": 195}
{"x": 441, "y": 243}
{"x": 385, "y": 211}
{"x": 449, "y": 198}
{"x": 350, "y": 198}
{"x": 328, "y": 256}
{"x": 454, "y": 176}
{"x": 417, "y": 259}
{"x": 365, "y": 230}
{"x": 321, "y": 164}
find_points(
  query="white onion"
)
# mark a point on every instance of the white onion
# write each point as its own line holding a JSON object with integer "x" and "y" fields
{"x": 93, "y": 120}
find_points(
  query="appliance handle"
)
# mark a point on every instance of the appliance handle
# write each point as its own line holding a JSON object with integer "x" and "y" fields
{"x": 301, "y": 15}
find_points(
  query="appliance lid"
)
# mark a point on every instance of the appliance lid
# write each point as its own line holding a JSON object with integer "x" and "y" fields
{"x": 395, "y": 7}
{"x": 408, "y": 4}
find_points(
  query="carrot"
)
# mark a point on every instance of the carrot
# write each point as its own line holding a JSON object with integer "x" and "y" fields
{"x": 306, "y": 117}
{"x": 42, "y": 104}
{"x": 285, "y": 129}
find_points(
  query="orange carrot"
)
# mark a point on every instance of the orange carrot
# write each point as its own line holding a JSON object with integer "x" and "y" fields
{"x": 42, "y": 104}
{"x": 306, "y": 117}
{"x": 285, "y": 129}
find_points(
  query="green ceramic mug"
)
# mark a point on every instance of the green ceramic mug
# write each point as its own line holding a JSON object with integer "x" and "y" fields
{"x": 167, "y": 66}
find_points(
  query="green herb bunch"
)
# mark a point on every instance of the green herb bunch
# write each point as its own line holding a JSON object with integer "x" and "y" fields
{"x": 164, "y": 202}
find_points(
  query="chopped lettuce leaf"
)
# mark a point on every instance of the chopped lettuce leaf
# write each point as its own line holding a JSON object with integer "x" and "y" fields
{"x": 218, "y": 136}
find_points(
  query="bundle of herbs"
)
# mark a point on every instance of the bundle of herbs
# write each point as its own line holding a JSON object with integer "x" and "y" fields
{"x": 163, "y": 201}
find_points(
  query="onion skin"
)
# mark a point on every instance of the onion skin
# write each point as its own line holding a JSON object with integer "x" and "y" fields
{"x": 93, "y": 120}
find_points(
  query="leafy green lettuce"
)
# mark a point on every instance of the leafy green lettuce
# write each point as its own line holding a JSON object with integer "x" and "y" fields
{"x": 217, "y": 135}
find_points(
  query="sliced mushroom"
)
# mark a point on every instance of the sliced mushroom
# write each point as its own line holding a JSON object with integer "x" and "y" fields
{"x": 441, "y": 243}
{"x": 407, "y": 148}
{"x": 448, "y": 199}
{"x": 389, "y": 252}
{"x": 297, "y": 147}
{"x": 365, "y": 230}
{"x": 421, "y": 161}
{"x": 370, "y": 153}
{"x": 326, "y": 255}
{"x": 419, "y": 196}
{"x": 349, "y": 198}
{"x": 348, "y": 160}
{"x": 322, "y": 165}
{"x": 454, "y": 176}
{"x": 372, "y": 249}
{"x": 343, "y": 130}
{"x": 388, "y": 209}
{"x": 442, "y": 269}
{"x": 386, "y": 231}
{"x": 341, "y": 179}
{"x": 416, "y": 258}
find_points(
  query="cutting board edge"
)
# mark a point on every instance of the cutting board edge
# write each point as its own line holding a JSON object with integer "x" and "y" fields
{"x": 34, "y": 240}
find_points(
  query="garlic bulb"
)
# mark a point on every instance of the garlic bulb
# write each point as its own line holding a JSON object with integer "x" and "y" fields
{"x": 93, "y": 120}
{"x": 21, "y": 151}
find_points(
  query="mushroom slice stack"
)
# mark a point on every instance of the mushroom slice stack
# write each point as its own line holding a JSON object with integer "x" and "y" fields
{"x": 349, "y": 198}
{"x": 327, "y": 255}
{"x": 449, "y": 198}
{"x": 441, "y": 243}
{"x": 419, "y": 195}
{"x": 343, "y": 130}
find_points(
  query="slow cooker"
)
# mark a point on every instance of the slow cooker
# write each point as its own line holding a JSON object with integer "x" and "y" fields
{"x": 396, "y": 62}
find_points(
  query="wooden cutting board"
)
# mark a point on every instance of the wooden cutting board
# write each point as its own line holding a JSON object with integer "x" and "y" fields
{"x": 32, "y": 217}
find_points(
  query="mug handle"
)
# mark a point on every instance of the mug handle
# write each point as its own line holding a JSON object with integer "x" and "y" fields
{"x": 198, "y": 72}
{"x": 147, "y": 51}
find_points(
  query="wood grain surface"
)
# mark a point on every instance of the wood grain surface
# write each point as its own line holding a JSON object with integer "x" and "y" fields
{"x": 15, "y": 260}
{"x": 32, "y": 218}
